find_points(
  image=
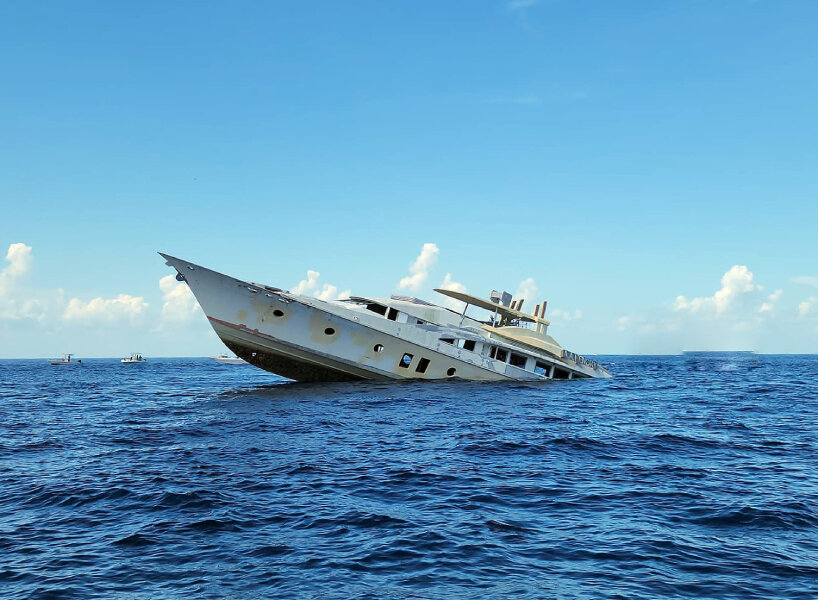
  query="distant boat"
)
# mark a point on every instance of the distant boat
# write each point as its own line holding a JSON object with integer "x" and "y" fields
{"x": 67, "y": 361}
{"x": 134, "y": 358}
{"x": 224, "y": 359}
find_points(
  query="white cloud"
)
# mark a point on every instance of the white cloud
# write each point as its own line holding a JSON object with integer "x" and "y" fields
{"x": 326, "y": 292}
{"x": 807, "y": 306}
{"x": 527, "y": 290}
{"x": 308, "y": 284}
{"x": 178, "y": 302}
{"x": 807, "y": 280}
{"x": 738, "y": 316}
{"x": 455, "y": 286}
{"x": 419, "y": 270}
{"x": 106, "y": 310}
{"x": 769, "y": 305}
{"x": 330, "y": 292}
{"x": 19, "y": 259}
{"x": 736, "y": 283}
{"x": 15, "y": 302}
{"x": 450, "y": 284}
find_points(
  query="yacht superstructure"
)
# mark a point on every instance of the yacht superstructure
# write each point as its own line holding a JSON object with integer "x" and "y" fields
{"x": 307, "y": 339}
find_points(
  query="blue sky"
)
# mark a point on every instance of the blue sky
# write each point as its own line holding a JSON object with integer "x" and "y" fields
{"x": 620, "y": 154}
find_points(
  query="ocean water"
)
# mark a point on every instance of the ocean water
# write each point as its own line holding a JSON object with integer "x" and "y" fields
{"x": 690, "y": 476}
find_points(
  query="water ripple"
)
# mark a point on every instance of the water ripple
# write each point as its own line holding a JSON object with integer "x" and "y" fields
{"x": 683, "y": 477}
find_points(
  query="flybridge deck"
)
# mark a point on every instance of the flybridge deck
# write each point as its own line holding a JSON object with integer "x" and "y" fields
{"x": 307, "y": 339}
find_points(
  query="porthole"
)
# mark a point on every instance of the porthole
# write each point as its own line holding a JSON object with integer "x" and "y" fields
{"x": 378, "y": 347}
{"x": 278, "y": 313}
{"x": 329, "y": 331}
{"x": 451, "y": 371}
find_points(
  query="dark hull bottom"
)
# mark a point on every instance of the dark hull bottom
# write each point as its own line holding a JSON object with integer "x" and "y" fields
{"x": 287, "y": 366}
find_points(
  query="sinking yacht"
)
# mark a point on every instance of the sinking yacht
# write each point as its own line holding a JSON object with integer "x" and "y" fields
{"x": 307, "y": 339}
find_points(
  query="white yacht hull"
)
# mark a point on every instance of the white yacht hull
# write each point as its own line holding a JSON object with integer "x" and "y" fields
{"x": 307, "y": 339}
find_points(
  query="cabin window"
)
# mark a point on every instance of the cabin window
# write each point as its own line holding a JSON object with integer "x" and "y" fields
{"x": 469, "y": 345}
{"x": 560, "y": 374}
{"x": 378, "y": 347}
{"x": 423, "y": 364}
{"x": 447, "y": 340}
{"x": 376, "y": 308}
{"x": 502, "y": 355}
{"x": 420, "y": 322}
{"x": 493, "y": 352}
{"x": 451, "y": 371}
{"x": 329, "y": 331}
{"x": 406, "y": 360}
{"x": 393, "y": 315}
{"x": 518, "y": 360}
{"x": 541, "y": 368}
{"x": 278, "y": 313}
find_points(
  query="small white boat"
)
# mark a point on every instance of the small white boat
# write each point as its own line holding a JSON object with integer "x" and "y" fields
{"x": 224, "y": 359}
{"x": 134, "y": 358}
{"x": 67, "y": 361}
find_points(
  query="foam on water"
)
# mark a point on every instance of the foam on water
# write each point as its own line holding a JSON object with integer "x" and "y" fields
{"x": 687, "y": 476}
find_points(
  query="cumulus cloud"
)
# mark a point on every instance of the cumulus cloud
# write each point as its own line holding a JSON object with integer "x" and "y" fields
{"x": 19, "y": 262}
{"x": 738, "y": 315}
{"x": 419, "y": 269}
{"x": 807, "y": 306}
{"x": 179, "y": 305}
{"x": 308, "y": 284}
{"x": 450, "y": 284}
{"x": 527, "y": 290}
{"x": 105, "y": 310}
{"x": 735, "y": 283}
{"x": 15, "y": 302}
{"x": 326, "y": 292}
{"x": 330, "y": 292}
{"x": 769, "y": 304}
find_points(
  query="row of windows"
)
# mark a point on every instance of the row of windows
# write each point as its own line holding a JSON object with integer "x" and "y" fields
{"x": 515, "y": 360}
{"x": 422, "y": 366}
{"x": 391, "y": 313}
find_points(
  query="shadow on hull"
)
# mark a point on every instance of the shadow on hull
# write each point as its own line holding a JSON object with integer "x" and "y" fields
{"x": 288, "y": 367}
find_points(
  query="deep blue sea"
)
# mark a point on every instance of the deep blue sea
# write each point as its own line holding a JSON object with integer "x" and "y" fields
{"x": 691, "y": 476}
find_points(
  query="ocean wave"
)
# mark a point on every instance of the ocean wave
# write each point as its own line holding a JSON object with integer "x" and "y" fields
{"x": 674, "y": 479}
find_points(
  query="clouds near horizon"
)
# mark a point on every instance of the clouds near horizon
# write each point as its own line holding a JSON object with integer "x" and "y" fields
{"x": 419, "y": 269}
{"x": 326, "y": 291}
{"x": 179, "y": 305}
{"x": 106, "y": 311}
{"x": 738, "y": 315}
{"x": 737, "y": 283}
